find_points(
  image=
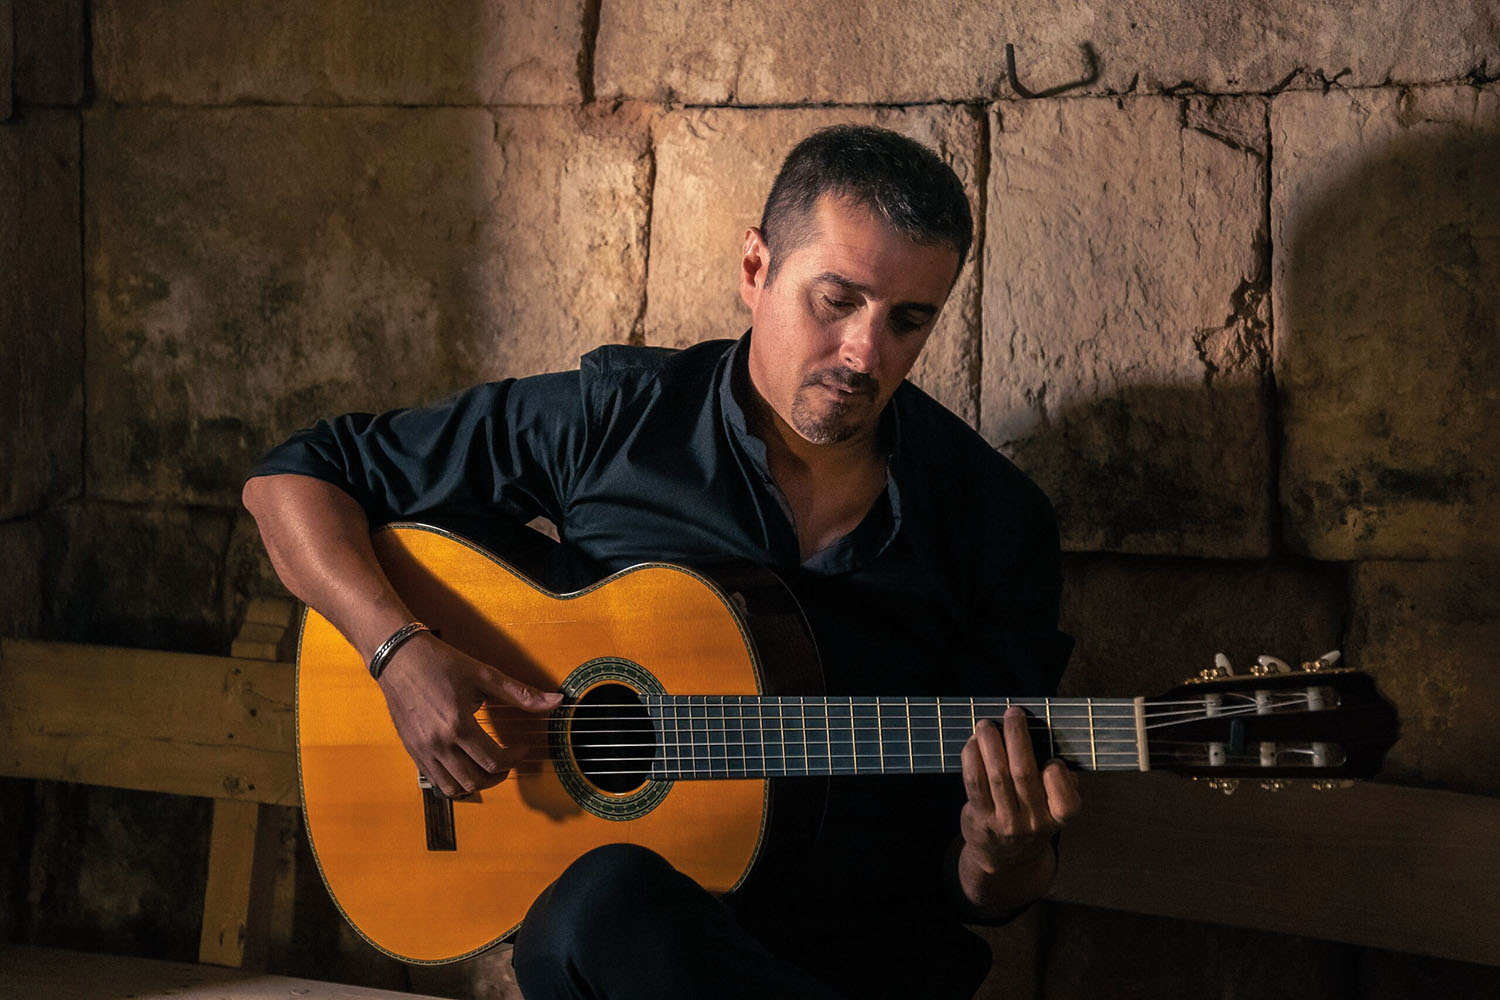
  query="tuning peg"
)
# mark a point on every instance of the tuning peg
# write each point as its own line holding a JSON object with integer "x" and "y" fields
{"x": 1331, "y": 784}
{"x": 1225, "y": 785}
{"x": 1324, "y": 662}
{"x": 1221, "y": 668}
{"x": 1267, "y": 665}
{"x": 1274, "y": 784}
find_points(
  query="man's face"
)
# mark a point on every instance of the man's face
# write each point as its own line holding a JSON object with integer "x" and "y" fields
{"x": 843, "y": 322}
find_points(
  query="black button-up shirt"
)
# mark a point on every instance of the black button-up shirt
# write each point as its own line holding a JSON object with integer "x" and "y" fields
{"x": 950, "y": 585}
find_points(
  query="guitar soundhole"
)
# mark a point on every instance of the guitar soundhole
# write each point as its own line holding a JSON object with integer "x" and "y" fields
{"x": 612, "y": 738}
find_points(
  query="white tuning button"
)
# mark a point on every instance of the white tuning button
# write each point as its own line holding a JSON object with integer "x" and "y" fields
{"x": 1271, "y": 665}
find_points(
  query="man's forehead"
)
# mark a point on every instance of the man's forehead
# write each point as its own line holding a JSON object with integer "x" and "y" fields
{"x": 855, "y": 248}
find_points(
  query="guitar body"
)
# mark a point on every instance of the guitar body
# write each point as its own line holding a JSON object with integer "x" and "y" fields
{"x": 370, "y": 821}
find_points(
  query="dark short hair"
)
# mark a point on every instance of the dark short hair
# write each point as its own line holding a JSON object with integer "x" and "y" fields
{"x": 897, "y": 178}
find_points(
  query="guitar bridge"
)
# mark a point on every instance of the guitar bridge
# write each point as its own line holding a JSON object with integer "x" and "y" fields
{"x": 437, "y": 817}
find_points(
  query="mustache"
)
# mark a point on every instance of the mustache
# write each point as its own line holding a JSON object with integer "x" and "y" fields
{"x": 845, "y": 378}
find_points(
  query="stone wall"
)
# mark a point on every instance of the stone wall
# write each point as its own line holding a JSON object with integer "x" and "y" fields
{"x": 1234, "y": 303}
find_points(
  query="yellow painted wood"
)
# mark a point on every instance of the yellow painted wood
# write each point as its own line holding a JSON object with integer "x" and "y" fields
{"x": 362, "y": 803}
{"x": 50, "y": 973}
{"x": 1407, "y": 869}
{"x": 129, "y": 718}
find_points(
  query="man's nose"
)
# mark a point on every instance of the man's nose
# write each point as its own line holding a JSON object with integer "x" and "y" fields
{"x": 860, "y": 349}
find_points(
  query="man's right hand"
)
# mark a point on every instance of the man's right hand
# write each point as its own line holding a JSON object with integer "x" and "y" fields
{"x": 433, "y": 691}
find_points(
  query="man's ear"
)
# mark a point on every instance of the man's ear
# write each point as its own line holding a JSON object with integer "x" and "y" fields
{"x": 754, "y": 262}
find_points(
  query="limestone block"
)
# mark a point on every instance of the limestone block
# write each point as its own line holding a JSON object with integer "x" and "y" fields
{"x": 348, "y": 52}
{"x": 41, "y": 313}
{"x": 252, "y": 270}
{"x": 49, "y": 51}
{"x": 131, "y": 576}
{"x": 1126, "y": 337}
{"x": 121, "y": 870}
{"x": 714, "y": 169}
{"x": 901, "y": 51}
{"x": 1386, "y": 223}
{"x": 1428, "y": 633}
{"x": 1144, "y": 626}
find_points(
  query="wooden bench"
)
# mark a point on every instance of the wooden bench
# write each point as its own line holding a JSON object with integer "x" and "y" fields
{"x": 218, "y": 727}
{"x": 1405, "y": 869}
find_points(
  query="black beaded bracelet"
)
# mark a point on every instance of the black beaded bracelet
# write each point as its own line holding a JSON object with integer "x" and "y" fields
{"x": 383, "y": 654}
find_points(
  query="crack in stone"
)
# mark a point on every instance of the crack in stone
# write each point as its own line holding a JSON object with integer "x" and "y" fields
{"x": 1240, "y": 343}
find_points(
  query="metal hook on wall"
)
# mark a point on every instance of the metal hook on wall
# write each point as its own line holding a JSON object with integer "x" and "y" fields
{"x": 1091, "y": 73}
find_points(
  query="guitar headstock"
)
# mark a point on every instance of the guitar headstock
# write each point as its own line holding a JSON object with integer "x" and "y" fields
{"x": 1319, "y": 721}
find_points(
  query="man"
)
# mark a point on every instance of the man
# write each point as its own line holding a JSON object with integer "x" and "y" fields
{"x": 925, "y": 562}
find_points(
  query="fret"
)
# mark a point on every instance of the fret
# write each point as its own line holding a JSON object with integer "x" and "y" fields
{"x": 924, "y": 750}
{"x": 780, "y": 721}
{"x": 1051, "y": 743}
{"x": 807, "y": 740}
{"x": 653, "y": 704}
{"x": 668, "y": 734}
{"x": 942, "y": 739}
{"x": 880, "y": 735}
{"x": 736, "y": 726}
{"x": 911, "y": 759}
{"x": 759, "y": 712}
{"x": 677, "y": 736}
{"x": 1093, "y": 743}
{"x": 702, "y": 760}
{"x": 718, "y": 716}
{"x": 828, "y": 735}
{"x": 864, "y": 714}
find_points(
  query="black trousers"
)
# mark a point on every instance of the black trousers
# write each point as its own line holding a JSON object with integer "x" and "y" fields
{"x": 621, "y": 922}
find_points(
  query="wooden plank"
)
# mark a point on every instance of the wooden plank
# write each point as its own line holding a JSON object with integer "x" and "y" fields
{"x": 192, "y": 725}
{"x": 241, "y": 880}
{"x": 71, "y": 975}
{"x": 1407, "y": 869}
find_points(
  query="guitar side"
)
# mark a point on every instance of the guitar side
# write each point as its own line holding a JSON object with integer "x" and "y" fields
{"x": 368, "y": 819}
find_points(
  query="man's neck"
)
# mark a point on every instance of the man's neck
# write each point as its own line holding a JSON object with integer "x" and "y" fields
{"x": 829, "y": 488}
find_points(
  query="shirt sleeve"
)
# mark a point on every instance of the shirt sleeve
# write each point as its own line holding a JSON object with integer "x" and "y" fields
{"x": 512, "y": 447}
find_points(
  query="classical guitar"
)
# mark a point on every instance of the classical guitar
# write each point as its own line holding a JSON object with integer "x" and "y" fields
{"x": 689, "y": 701}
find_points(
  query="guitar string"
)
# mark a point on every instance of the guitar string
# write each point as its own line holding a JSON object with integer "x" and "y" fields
{"x": 807, "y": 753}
{"x": 773, "y": 764}
{"x": 818, "y": 764}
{"x": 585, "y": 714}
{"x": 1152, "y": 710}
{"x": 782, "y": 703}
{"x": 691, "y": 751}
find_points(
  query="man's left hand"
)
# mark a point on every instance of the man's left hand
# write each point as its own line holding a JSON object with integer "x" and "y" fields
{"x": 1013, "y": 812}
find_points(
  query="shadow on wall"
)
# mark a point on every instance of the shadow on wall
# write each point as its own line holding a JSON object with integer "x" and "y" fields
{"x": 1388, "y": 344}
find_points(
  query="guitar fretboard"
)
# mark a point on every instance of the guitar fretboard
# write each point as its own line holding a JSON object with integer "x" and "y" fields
{"x": 758, "y": 737}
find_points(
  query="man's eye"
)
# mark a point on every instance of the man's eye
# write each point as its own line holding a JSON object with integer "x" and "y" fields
{"x": 837, "y": 303}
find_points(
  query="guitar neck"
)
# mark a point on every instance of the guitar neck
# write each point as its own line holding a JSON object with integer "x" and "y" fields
{"x": 759, "y": 737}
